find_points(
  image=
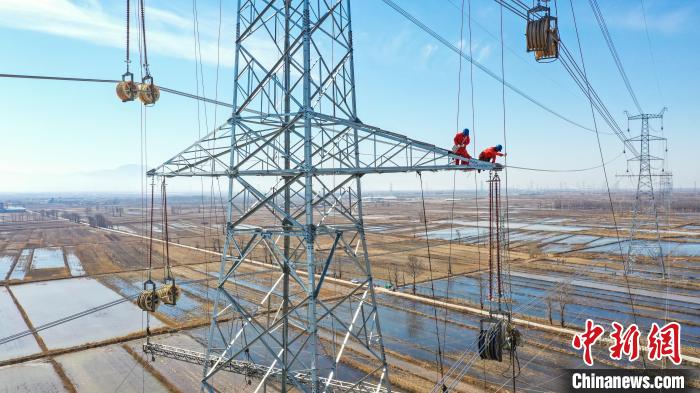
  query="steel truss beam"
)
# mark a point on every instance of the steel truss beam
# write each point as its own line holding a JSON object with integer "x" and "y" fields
{"x": 293, "y": 152}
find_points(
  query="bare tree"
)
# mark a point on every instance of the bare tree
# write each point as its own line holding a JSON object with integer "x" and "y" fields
{"x": 413, "y": 267}
{"x": 548, "y": 299}
{"x": 395, "y": 271}
{"x": 564, "y": 297}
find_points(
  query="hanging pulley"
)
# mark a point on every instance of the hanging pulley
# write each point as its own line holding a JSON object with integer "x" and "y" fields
{"x": 496, "y": 334}
{"x": 127, "y": 88}
{"x": 148, "y": 298}
{"x": 148, "y": 91}
{"x": 542, "y": 33}
{"x": 169, "y": 293}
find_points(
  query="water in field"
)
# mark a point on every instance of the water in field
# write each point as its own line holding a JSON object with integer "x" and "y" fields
{"x": 52, "y": 300}
{"x": 36, "y": 376}
{"x": 48, "y": 258}
{"x": 76, "y": 267}
{"x": 11, "y": 322}
{"x": 668, "y": 248}
{"x": 523, "y": 225}
{"x": 588, "y": 299}
{"x": 5, "y": 265}
{"x": 112, "y": 367}
{"x": 186, "y": 306}
{"x": 556, "y": 248}
{"x": 21, "y": 266}
{"x": 578, "y": 239}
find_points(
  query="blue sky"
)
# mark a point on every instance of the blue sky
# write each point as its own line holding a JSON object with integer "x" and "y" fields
{"x": 406, "y": 82}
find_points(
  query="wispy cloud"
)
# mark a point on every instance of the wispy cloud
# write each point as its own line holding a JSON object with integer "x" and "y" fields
{"x": 169, "y": 34}
{"x": 427, "y": 51}
{"x": 484, "y": 53}
{"x": 666, "y": 21}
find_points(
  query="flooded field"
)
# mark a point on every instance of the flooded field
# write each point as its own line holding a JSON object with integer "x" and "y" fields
{"x": 47, "y": 301}
{"x": 5, "y": 265}
{"x": 30, "y": 377}
{"x": 22, "y": 265}
{"x": 549, "y": 250}
{"x": 11, "y": 322}
{"x": 108, "y": 369}
{"x": 74, "y": 264}
{"x": 48, "y": 258}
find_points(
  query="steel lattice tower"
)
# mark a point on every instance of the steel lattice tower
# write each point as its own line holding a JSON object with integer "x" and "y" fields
{"x": 293, "y": 152}
{"x": 645, "y": 215}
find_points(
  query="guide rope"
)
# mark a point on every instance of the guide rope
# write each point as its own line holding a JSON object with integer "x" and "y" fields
{"x": 607, "y": 184}
{"x": 128, "y": 35}
{"x": 143, "y": 38}
{"x": 439, "y": 357}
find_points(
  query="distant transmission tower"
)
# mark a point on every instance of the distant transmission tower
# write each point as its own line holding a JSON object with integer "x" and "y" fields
{"x": 645, "y": 216}
{"x": 295, "y": 304}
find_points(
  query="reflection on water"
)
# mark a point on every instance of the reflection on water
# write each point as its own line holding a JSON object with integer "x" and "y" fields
{"x": 11, "y": 322}
{"x": 668, "y": 248}
{"x": 51, "y": 300}
{"x": 5, "y": 265}
{"x": 21, "y": 266}
{"x": 36, "y": 376}
{"x": 47, "y": 258}
{"x": 76, "y": 268}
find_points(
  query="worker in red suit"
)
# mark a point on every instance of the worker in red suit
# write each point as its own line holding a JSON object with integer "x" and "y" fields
{"x": 490, "y": 153}
{"x": 460, "y": 148}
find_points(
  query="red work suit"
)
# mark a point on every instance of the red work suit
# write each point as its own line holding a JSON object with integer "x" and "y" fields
{"x": 490, "y": 154}
{"x": 460, "y": 148}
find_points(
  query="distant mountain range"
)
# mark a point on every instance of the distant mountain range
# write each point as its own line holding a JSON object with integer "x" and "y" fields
{"x": 123, "y": 179}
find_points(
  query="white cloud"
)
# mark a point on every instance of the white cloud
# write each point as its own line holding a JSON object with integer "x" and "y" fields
{"x": 168, "y": 33}
{"x": 662, "y": 21}
{"x": 427, "y": 51}
{"x": 484, "y": 53}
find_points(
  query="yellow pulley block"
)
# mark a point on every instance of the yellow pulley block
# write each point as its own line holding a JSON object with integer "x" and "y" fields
{"x": 149, "y": 93}
{"x": 148, "y": 299}
{"x": 169, "y": 293}
{"x": 127, "y": 90}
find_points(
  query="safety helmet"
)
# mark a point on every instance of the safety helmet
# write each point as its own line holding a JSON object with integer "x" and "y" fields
{"x": 499, "y": 147}
{"x": 465, "y": 132}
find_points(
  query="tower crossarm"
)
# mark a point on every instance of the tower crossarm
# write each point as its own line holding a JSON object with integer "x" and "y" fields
{"x": 258, "y": 152}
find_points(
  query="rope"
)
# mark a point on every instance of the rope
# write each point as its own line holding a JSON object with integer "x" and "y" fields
{"x": 128, "y": 34}
{"x": 469, "y": 58}
{"x": 95, "y": 80}
{"x": 564, "y": 170}
{"x": 167, "y": 271}
{"x": 607, "y": 184}
{"x": 613, "y": 51}
{"x": 150, "y": 236}
{"x": 81, "y": 314}
{"x": 143, "y": 37}
{"x": 651, "y": 51}
{"x": 438, "y": 355}
{"x": 506, "y": 245}
{"x": 454, "y": 183}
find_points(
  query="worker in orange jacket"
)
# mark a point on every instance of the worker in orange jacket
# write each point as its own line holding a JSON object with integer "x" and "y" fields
{"x": 461, "y": 141}
{"x": 490, "y": 153}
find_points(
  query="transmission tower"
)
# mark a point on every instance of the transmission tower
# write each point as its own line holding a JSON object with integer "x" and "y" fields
{"x": 645, "y": 216}
{"x": 295, "y": 303}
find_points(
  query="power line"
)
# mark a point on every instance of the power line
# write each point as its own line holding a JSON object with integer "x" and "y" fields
{"x": 651, "y": 51}
{"x": 571, "y": 66}
{"x": 490, "y": 73}
{"x": 613, "y": 51}
{"x": 95, "y": 80}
